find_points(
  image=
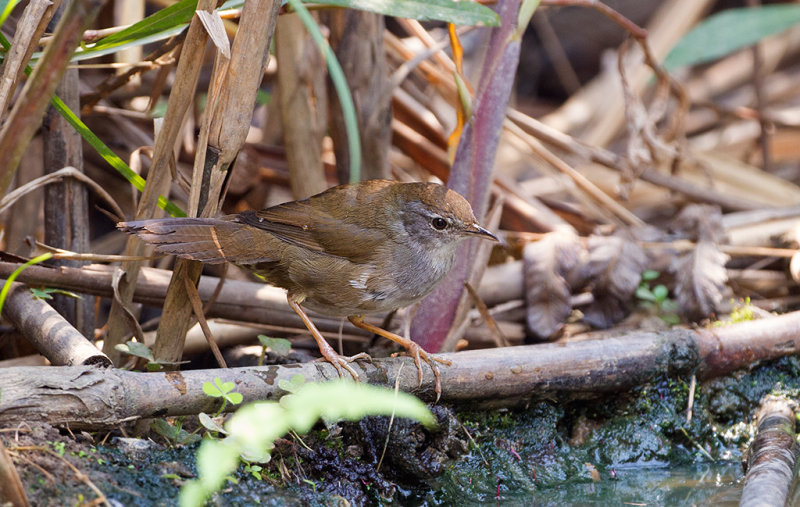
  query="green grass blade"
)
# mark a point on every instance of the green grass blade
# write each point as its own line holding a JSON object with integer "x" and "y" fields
{"x": 6, "y": 6}
{"x": 459, "y": 13}
{"x": 15, "y": 274}
{"x": 177, "y": 14}
{"x": 160, "y": 25}
{"x": 111, "y": 157}
{"x": 729, "y": 31}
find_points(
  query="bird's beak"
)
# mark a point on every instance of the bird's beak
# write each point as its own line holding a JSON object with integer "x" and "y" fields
{"x": 477, "y": 230}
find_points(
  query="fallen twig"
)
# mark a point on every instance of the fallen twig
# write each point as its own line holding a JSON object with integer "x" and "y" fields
{"x": 93, "y": 397}
{"x": 772, "y": 456}
{"x": 49, "y": 332}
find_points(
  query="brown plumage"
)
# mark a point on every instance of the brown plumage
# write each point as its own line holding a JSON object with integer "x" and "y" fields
{"x": 349, "y": 251}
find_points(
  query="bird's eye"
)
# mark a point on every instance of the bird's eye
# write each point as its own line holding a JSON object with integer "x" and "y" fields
{"x": 439, "y": 223}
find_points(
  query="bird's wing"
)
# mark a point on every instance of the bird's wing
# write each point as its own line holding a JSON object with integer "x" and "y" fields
{"x": 318, "y": 229}
{"x": 289, "y": 222}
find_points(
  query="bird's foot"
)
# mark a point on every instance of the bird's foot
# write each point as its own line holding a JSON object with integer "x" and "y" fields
{"x": 418, "y": 354}
{"x": 414, "y": 350}
{"x": 342, "y": 363}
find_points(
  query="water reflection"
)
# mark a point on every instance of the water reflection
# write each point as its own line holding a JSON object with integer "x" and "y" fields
{"x": 717, "y": 484}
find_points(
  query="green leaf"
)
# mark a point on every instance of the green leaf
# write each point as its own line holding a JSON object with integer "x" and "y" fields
{"x": 216, "y": 459}
{"x": 220, "y": 389}
{"x": 211, "y": 389}
{"x": 253, "y": 430}
{"x": 292, "y": 385}
{"x": 46, "y": 293}
{"x": 669, "y": 306}
{"x": 526, "y": 11}
{"x": 644, "y": 293}
{"x": 459, "y": 13}
{"x": 192, "y": 494}
{"x": 349, "y": 400}
{"x": 160, "y": 25}
{"x": 159, "y": 110}
{"x": 41, "y": 293}
{"x": 109, "y": 156}
{"x": 670, "y": 319}
{"x": 234, "y": 398}
{"x": 729, "y": 31}
{"x": 164, "y": 429}
{"x": 186, "y": 438}
{"x": 255, "y": 426}
{"x": 177, "y": 14}
{"x": 174, "y": 432}
{"x": 263, "y": 97}
{"x": 224, "y": 387}
{"x": 103, "y": 150}
{"x": 6, "y": 6}
{"x": 280, "y": 346}
{"x": 648, "y": 275}
{"x": 136, "y": 349}
{"x": 209, "y": 423}
{"x": 660, "y": 292}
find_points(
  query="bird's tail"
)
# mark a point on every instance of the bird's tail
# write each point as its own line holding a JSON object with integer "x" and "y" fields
{"x": 211, "y": 240}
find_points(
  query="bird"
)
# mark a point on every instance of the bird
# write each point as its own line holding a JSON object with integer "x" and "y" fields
{"x": 350, "y": 251}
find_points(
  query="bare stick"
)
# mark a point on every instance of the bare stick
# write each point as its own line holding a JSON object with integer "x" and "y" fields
{"x": 91, "y": 397}
{"x": 49, "y": 332}
{"x": 772, "y": 456}
{"x": 197, "y": 307}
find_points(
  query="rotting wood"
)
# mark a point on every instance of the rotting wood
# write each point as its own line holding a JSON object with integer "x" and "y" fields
{"x": 91, "y": 397}
{"x": 66, "y": 205}
{"x": 772, "y": 456}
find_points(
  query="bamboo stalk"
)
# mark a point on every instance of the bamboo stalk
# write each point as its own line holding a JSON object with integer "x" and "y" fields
{"x": 25, "y": 117}
{"x": 232, "y": 97}
{"x": 187, "y": 74}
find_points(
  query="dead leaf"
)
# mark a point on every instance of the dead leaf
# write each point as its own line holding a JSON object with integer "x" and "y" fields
{"x": 700, "y": 280}
{"x": 699, "y": 222}
{"x": 547, "y": 293}
{"x": 215, "y": 28}
{"x": 615, "y": 265}
{"x": 614, "y": 270}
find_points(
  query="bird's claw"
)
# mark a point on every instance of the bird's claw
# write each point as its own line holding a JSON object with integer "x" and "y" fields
{"x": 342, "y": 363}
{"x": 418, "y": 354}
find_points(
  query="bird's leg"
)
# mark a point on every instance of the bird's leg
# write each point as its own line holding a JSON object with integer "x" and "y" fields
{"x": 414, "y": 350}
{"x": 341, "y": 363}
